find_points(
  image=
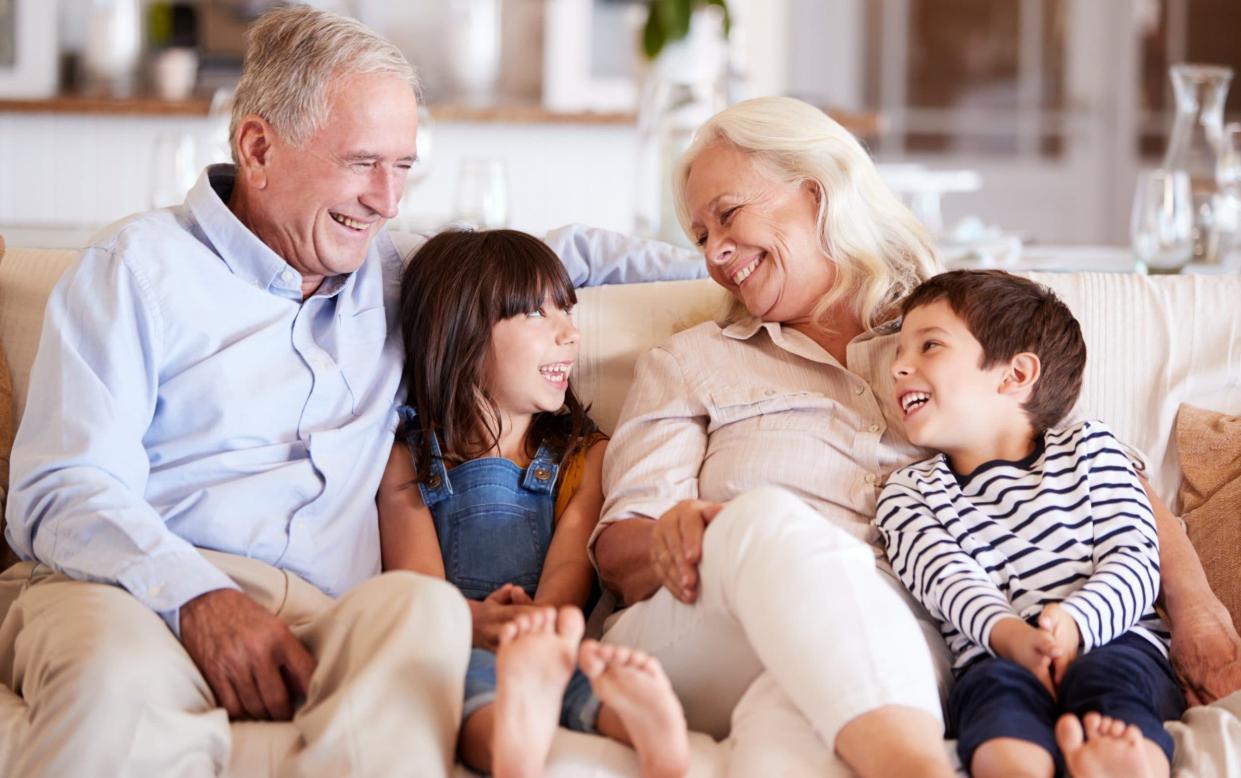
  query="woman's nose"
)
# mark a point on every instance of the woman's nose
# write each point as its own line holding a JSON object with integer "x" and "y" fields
{"x": 718, "y": 250}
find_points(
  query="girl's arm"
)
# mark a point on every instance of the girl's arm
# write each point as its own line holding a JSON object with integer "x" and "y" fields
{"x": 407, "y": 538}
{"x": 568, "y": 576}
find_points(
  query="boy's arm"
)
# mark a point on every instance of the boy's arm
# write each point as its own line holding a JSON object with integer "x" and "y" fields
{"x": 948, "y": 582}
{"x": 1125, "y": 545}
{"x": 568, "y": 576}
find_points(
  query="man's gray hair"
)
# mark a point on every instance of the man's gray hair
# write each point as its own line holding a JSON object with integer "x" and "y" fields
{"x": 293, "y": 56}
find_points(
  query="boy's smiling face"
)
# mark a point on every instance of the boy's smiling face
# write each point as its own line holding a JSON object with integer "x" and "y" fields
{"x": 948, "y": 401}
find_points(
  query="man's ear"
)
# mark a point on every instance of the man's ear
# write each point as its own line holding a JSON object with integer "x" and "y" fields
{"x": 255, "y": 139}
{"x": 1023, "y": 372}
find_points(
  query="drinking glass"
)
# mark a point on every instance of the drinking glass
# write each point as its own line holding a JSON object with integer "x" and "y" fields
{"x": 1228, "y": 207}
{"x": 1162, "y": 222}
{"x": 482, "y": 194}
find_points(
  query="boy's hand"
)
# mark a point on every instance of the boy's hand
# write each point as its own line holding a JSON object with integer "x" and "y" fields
{"x": 1057, "y": 622}
{"x": 1033, "y": 649}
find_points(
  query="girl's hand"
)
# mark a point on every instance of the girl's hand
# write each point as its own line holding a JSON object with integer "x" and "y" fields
{"x": 499, "y": 608}
{"x": 1057, "y": 622}
{"x": 676, "y": 546}
{"x": 1033, "y": 649}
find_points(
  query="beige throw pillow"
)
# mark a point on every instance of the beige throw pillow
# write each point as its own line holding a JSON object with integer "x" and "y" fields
{"x": 1209, "y": 446}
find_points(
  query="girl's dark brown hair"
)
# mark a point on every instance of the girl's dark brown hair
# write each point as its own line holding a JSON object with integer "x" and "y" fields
{"x": 456, "y": 287}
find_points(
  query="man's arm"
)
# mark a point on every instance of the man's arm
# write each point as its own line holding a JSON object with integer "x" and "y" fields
{"x": 79, "y": 475}
{"x": 595, "y": 256}
{"x": 1206, "y": 650}
{"x": 79, "y": 467}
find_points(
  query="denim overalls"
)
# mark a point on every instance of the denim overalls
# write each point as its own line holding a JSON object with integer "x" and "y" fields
{"x": 494, "y": 521}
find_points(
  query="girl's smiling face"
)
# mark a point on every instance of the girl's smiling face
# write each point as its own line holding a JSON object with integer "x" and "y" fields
{"x": 530, "y": 359}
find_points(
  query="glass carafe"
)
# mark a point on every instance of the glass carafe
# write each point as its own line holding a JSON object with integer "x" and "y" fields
{"x": 1195, "y": 145}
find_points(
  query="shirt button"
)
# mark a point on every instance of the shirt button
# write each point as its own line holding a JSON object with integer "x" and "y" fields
{"x": 859, "y": 390}
{"x": 156, "y": 590}
{"x": 873, "y": 428}
{"x": 542, "y": 474}
{"x": 286, "y": 275}
{"x": 871, "y": 478}
{"x": 770, "y": 392}
{"x": 433, "y": 481}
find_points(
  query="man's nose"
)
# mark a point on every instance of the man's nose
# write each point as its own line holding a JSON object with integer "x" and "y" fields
{"x": 387, "y": 185}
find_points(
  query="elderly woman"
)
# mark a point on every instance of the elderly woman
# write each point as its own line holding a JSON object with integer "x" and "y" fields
{"x": 770, "y": 615}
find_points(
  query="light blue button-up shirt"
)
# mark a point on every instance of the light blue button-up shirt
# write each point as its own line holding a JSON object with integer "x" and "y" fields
{"x": 184, "y": 395}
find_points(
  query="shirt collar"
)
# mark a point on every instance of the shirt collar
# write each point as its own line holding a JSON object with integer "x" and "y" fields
{"x": 248, "y": 257}
{"x": 749, "y": 326}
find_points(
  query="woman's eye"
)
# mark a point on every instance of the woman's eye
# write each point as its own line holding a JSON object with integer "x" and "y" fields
{"x": 727, "y": 215}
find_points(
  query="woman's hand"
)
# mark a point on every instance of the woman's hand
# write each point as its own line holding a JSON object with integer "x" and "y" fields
{"x": 499, "y": 608}
{"x": 676, "y": 546}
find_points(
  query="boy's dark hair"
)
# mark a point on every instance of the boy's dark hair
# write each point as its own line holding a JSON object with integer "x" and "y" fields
{"x": 1009, "y": 315}
{"x": 456, "y": 287}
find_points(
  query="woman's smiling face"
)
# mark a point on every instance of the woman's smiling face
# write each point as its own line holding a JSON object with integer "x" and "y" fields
{"x": 759, "y": 234}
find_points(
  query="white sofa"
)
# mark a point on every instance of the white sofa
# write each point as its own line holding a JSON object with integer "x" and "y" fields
{"x": 1153, "y": 342}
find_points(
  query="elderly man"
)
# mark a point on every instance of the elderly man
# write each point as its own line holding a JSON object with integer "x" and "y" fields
{"x": 210, "y": 411}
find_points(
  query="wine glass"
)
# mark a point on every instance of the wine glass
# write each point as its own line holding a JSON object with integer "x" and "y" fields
{"x": 423, "y": 142}
{"x": 482, "y": 194}
{"x": 1162, "y": 223}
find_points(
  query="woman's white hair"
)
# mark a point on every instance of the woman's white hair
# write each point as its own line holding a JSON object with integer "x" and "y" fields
{"x": 293, "y": 56}
{"x": 880, "y": 249}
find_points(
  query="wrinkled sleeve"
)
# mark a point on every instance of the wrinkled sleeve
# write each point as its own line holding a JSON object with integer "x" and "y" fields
{"x": 79, "y": 468}
{"x": 595, "y": 257}
{"x": 657, "y": 449}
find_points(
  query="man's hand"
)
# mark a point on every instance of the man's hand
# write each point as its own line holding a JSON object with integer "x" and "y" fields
{"x": 499, "y": 608}
{"x": 676, "y": 546}
{"x": 1065, "y": 634}
{"x": 1033, "y": 649}
{"x": 1206, "y": 654}
{"x": 253, "y": 663}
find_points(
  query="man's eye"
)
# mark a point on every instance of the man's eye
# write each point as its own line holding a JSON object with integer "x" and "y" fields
{"x": 700, "y": 240}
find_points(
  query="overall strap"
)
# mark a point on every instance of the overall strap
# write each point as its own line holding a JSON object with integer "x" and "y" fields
{"x": 542, "y": 473}
{"x": 437, "y": 486}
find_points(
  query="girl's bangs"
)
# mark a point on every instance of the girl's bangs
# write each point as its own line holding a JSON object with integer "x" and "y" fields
{"x": 527, "y": 274}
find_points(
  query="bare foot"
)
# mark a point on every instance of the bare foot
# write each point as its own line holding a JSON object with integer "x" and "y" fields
{"x": 1104, "y": 748}
{"x": 633, "y": 686}
{"x": 533, "y": 665}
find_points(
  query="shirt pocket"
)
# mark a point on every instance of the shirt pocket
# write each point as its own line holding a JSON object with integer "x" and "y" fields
{"x": 361, "y": 339}
{"x": 769, "y": 408}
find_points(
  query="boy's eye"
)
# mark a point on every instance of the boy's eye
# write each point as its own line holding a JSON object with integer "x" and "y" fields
{"x": 928, "y": 345}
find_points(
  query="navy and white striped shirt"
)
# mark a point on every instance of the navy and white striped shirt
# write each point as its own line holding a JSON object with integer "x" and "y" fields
{"x": 1070, "y": 524}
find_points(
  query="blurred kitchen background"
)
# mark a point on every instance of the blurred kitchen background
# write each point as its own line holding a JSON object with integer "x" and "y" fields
{"x": 1009, "y": 125}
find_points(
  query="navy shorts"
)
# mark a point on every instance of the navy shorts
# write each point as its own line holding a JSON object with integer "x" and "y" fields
{"x": 1128, "y": 679}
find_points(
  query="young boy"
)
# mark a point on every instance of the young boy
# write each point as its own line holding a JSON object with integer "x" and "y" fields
{"x": 1033, "y": 544}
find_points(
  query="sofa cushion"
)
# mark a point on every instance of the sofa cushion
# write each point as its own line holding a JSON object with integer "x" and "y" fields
{"x": 6, "y": 436}
{"x": 1209, "y": 444}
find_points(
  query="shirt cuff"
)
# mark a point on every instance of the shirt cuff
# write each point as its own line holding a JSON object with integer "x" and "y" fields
{"x": 166, "y": 582}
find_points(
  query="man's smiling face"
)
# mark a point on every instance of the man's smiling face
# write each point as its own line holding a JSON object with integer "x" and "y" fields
{"x": 322, "y": 203}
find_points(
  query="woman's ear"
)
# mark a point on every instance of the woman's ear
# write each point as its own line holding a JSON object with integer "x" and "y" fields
{"x": 815, "y": 190}
{"x": 1023, "y": 372}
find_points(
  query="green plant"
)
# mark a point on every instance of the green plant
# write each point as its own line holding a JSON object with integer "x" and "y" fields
{"x": 667, "y": 21}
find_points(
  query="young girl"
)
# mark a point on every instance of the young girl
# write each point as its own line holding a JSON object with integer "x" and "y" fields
{"x": 494, "y": 484}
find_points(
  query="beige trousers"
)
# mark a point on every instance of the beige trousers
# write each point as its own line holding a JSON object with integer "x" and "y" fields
{"x": 109, "y": 690}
